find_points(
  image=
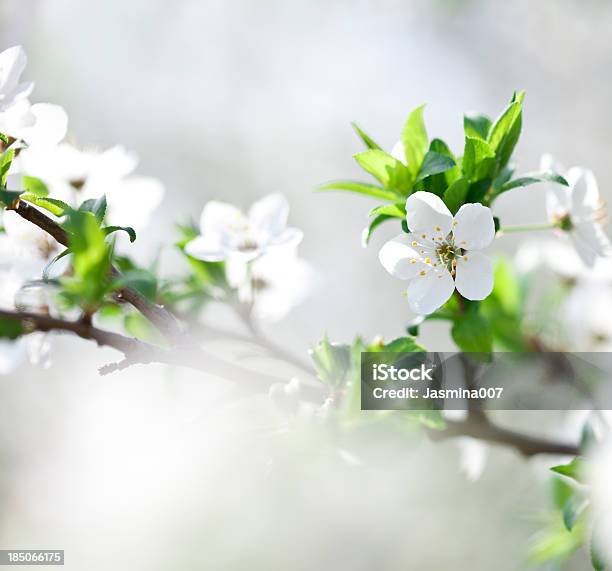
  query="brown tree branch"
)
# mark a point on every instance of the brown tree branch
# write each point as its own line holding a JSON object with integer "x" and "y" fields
{"x": 156, "y": 314}
{"x": 481, "y": 428}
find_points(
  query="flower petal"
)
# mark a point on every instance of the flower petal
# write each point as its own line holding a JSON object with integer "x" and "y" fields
{"x": 474, "y": 227}
{"x": 400, "y": 259}
{"x": 289, "y": 237}
{"x": 220, "y": 218}
{"x": 590, "y": 241}
{"x": 429, "y": 292}
{"x": 474, "y": 279}
{"x": 427, "y": 214}
{"x": 585, "y": 197}
{"x": 132, "y": 201}
{"x": 50, "y": 126}
{"x": 268, "y": 216}
{"x": 204, "y": 248}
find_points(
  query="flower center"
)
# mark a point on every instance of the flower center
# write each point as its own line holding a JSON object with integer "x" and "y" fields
{"x": 448, "y": 253}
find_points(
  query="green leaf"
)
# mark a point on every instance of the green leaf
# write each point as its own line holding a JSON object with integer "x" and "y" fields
{"x": 376, "y": 222}
{"x": 33, "y": 185}
{"x": 478, "y": 159}
{"x": 572, "y": 511}
{"x": 91, "y": 260}
{"x": 332, "y": 362}
{"x": 397, "y": 210}
{"x": 390, "y": 172}
{"x": 5, "y": 164}
{"x": 403, "y": 345}
{"x": 53, "y": 205}
{"x": 455, "y": 195}
{"x": 141, "y": 280}
{"x": 574, "y": 470}
{"x": 506, "y": 131}
{"x": 434, "y": 163}
{"x": 472, "y": 332}
{"x": 9, "y": 197}
{"x": 4, "y": 138}
{"x": 10, "y": 328}
{"x": 414, "y": 140}
{"x": 368, "y": 141}
{"x": 127, "y": 229}
{"x": 361, "y": 188}
{"x": 533, "y": 178}
{"x": 97, "y": 206}
{"x": 476, "y": 126}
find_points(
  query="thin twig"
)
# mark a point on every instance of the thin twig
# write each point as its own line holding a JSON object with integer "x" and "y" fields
{"x": 156, "y": 314}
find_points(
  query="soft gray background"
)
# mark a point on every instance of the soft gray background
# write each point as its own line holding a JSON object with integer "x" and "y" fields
{"x": 232, "y": 100}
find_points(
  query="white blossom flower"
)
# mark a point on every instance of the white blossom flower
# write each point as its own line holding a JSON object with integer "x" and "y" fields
{"x": 227, "y": 232}
{"x": 473, "y": 455}
{"x": 441, "y": 252}
{"x": 75, "y": 175}
{"x": 38, "y": 124}
{"x": 598, "y": 478}
{"x": 272, "y": 284}
{"x": 578, "y": 210}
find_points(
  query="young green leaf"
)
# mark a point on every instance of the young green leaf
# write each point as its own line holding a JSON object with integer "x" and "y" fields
{"x": 575, "y": 469}
{"x": 367, "y": 140}
{"x": 472, "y": 332}
{"x": 533, "y": 178}
{"x": 34, "y": 186}
{"x": 6, "y": 160}
{"x": 127, "y": 229}
{"x": 414, "y": 140}
{"x": 9, "y": 197}
{"x": 478, "y": 159}
{"x": 375, "y": 223}
{"x": 455, "y": 195}
{"x": 97, "y": 206}
{"x": 504, "y": 134}
{"x": 53, "y": 205}
{"x": 390, "y": 172}
{"x": 476, "y": 126}
{"x": 361, "y": 188}
{"x": 403, "y": 345}
{"x": 10, "y": 328}
{"x": 394, "y": 210}
{"x": 434, "y": 163}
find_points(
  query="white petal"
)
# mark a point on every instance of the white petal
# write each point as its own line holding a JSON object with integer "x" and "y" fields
{"x": 114, "y": 163}
{"x": 221, "y": 218}
{"x": 268, "y": 216}
{"x": 548, "y": 163}
{"x": 400, "y": 259}
{"x": 12, "y": 354}
{"x": 205, "y": 249}
{"x": 585, "y": 197}
{"x": 290, "y": 237}
{"x": 590, "y": 241}
{"x": 50, "y": 125}
{"x": 474, "y": 279}
{"x": 12, "y": 63}
{"x": 474, "y": 227}
{"x": 427, "y": 214}
{"x": 429, "y": 292}
{"x": 132, "y": 201}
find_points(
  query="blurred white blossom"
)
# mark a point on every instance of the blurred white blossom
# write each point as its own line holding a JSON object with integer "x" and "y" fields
{"x": 578, "y": 210}
{"x": 39, "y": 124}
{"x": 75, "y": 175}
{"x": 226, "y": 232}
